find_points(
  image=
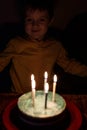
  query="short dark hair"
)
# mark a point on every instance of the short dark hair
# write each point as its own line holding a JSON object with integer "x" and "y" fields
{"x": 38, "y": 4}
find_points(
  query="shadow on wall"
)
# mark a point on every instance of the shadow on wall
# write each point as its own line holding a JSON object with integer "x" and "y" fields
{"x": 7, "y": 31}
{"x": 75, "y": 37}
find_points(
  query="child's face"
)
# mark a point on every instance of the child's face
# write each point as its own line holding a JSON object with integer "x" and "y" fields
{"x": 36, "y": 24}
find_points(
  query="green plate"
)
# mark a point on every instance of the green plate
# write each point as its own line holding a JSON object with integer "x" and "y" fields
{"x": 25, "y": 105}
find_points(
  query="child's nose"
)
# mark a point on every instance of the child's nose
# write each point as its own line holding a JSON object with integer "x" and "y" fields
{"x": 35, "y": 23}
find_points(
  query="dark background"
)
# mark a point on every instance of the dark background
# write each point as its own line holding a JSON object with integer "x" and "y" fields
{"x": 65, "y": 11}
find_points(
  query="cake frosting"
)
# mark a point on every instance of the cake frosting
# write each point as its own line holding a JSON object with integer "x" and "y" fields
{"x": 25, "y": 105}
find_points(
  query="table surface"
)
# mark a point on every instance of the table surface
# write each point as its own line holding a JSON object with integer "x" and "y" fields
{"x": 79, "y": 100}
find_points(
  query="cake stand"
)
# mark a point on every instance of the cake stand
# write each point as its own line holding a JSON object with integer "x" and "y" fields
{"x": 75, "y": 116}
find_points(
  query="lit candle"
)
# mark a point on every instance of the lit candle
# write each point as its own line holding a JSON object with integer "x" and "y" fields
{"x": 54, "y": 86}
{"x": 45, "y": 78}
{"x": 46, "y": 93}
{"x": 33, "y": 84}
{"x": 32, "y": 77}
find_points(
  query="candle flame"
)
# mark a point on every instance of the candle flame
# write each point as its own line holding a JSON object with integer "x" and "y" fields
{"x": 45, "y": 75}
{"x": 32, "y": 77}
{"x": 55, "y": 78}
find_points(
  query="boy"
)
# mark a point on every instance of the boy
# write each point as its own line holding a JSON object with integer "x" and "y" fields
{"x": 35, "y": 52}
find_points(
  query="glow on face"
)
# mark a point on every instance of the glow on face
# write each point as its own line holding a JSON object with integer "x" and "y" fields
{"x": 36, "y": 23}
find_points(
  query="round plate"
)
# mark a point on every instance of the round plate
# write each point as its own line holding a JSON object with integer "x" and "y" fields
{"x": 75, "y": 123}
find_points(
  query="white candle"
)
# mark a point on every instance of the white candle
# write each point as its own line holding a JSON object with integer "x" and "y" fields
{"x": 33, "y": 84}
{"x": 54, "y": 87}
{"x": 45, "y": 79}
{"x": 33, "y": 91}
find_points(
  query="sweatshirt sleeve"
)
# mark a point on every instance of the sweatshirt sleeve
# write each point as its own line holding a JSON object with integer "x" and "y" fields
{"x": 6, "y": 55}
{"x": 70, "y": 65}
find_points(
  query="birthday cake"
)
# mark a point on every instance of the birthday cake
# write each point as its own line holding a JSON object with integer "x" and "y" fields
{"x": 41, "y": 113}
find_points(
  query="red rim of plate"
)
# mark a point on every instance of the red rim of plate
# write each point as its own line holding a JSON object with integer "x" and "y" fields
{"x": 76, "y": 117}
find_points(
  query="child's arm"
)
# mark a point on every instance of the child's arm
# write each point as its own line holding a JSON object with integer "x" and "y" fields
{"x": 5, "y": 56}
{"x": 71, "y": 65}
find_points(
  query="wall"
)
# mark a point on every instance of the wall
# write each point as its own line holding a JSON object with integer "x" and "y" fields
{"x": 64, "y": 11}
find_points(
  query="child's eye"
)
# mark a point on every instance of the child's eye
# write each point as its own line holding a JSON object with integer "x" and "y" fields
{"x": 42, "y": 20}
{"x": 29, "y": 20}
